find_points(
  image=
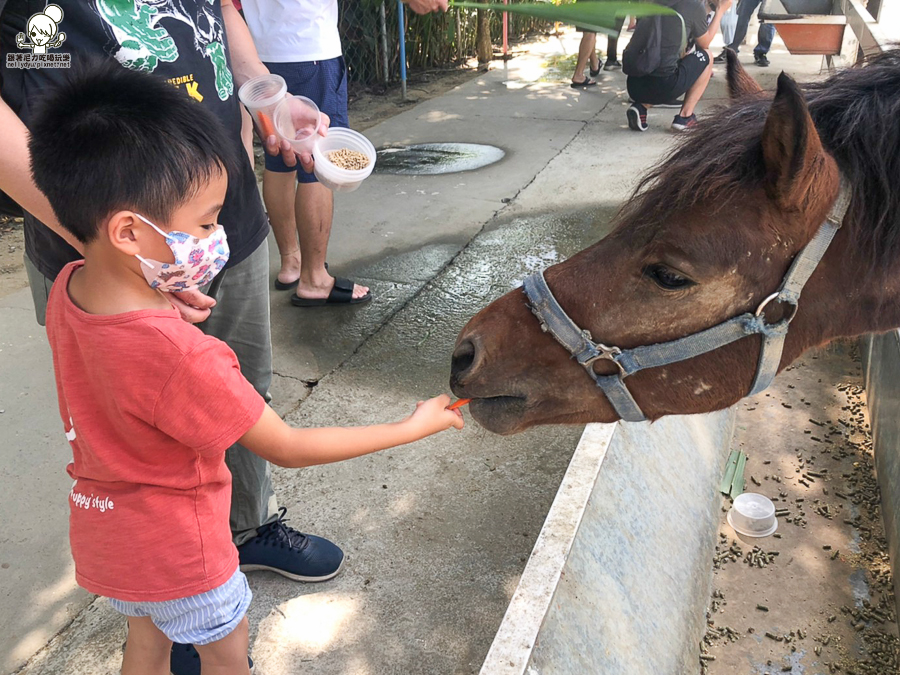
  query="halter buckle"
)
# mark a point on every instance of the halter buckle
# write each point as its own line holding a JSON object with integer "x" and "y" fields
{"x": 765, "y": 303}
{"x": 606, "y": 354}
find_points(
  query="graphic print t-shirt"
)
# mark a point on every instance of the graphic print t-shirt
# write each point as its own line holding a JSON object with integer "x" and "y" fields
{"x": 149, "y": 405}
{"x": 181, "y": 41}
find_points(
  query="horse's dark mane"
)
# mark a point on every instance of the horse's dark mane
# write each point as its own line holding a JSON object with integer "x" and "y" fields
{"x": 857, "y": 115}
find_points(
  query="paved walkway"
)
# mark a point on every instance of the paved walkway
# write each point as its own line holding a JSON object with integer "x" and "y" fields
{"x": 436, "y": 534}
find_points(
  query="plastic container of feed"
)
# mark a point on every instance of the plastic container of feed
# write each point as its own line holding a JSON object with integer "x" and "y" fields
{"x": 752, "y": 515}
{"x": 333, "y": 176}
{"x": 296, "y": 120}
{"x": 261, "y": 96}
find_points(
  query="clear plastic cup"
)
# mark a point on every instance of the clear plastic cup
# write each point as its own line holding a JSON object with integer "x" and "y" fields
{"x": 334, "y": 177}
{"x": 752, "y": 515}
{"x": 261, "y": 96}
{"x": 296, "y": 120}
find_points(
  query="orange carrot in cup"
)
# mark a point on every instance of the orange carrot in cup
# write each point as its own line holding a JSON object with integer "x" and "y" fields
{"x": 459, "y": 404}
{"x": 268, "y": 128}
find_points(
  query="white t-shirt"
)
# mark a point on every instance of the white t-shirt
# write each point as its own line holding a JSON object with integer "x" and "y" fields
{"x": 288, "y": 31}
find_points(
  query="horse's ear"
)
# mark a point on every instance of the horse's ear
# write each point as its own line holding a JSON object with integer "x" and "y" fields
{"x": 791, "y": 147}
{"x": 740, "y": 84}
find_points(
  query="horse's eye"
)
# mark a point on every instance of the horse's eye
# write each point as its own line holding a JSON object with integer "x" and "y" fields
{"x": 666, "y": 278}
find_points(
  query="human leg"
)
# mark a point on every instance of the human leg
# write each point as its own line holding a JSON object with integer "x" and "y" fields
{"x": 612, "y": 54}
{"x": 764, "y": 37}
{"x": 40, "y": 290}
{"x": 200, "y": 620}
{"x": 241, "y": 319}
{"x": 279, "y": 195}
{"x": 696, "y": 68}
{"x": 745, "y": 10}
{"x": 227, "y": 656}
{"x": 325, "y": 82}
{"x": 147, "y": 648}
{"x": 612, "y": 47}
{"x": 586, "y": 53}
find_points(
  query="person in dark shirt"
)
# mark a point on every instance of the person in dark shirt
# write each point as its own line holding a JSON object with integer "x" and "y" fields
{"x": 678, "y": 73}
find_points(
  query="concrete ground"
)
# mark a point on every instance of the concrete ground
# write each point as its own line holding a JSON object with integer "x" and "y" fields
{"x": 824, "y": 603}
{"x": 436, "y": 534}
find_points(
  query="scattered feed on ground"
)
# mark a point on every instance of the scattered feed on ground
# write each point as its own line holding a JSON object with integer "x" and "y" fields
{"x": 817, "y": 597}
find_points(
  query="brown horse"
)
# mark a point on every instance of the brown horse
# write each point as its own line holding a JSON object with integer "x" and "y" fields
{"x": 707, "y": 236}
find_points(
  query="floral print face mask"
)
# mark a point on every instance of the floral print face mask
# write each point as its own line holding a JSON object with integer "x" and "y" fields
{"x": 197, "y": 260}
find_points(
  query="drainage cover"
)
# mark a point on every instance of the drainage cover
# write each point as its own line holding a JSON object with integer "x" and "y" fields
{"x": 435, "y": 158}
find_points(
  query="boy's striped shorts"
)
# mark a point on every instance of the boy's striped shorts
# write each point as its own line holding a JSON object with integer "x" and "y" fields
{"x": 198, "y": 619}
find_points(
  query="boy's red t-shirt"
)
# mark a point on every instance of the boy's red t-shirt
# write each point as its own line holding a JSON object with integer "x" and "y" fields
{"x": 149, "y": 404}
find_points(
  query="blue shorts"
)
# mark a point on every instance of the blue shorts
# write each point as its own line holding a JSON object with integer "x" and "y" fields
{"x": 325, "y": 82}
{"x": 198, "y": 619}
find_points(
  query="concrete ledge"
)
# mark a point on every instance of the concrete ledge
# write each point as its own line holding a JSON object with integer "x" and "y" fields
{"x": 619, "y": 578}
{"x": 881, "y": 366}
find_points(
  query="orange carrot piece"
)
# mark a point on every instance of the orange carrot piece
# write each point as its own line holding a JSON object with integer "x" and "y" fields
{"x": 459, "y": 404}
{"x": 268, "y": 128}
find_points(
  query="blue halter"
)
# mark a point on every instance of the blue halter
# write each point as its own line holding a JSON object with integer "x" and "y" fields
{"x": 582, "y": 347}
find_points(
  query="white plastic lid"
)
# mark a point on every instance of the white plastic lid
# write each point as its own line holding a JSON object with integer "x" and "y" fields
{"x": 752, "y": 515}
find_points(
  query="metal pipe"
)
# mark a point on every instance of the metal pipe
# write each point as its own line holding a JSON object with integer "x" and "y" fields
{"x": 402, "y": 24}
{"x": 382, "y": 21}
{"x": 505, "y": 31}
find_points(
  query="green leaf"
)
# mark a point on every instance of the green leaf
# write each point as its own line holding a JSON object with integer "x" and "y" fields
{"x": 598, "y": 16}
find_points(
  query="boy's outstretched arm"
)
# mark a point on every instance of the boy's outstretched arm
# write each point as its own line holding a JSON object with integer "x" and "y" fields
{"x": 281, "y": 444}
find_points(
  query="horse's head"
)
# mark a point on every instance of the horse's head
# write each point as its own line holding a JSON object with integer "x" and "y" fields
{"x": 708, "y": 236}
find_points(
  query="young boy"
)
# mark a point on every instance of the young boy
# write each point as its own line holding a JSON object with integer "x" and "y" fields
{"x": 137, "y": 172}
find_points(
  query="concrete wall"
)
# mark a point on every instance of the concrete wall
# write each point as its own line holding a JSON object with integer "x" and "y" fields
{"x": 881, "y": 365}
{"x": 620, "y": 576}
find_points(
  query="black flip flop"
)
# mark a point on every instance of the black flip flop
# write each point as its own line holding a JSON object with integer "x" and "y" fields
{"x": 588, "y": 82}
{"x": 288, "y": 285}
{"x": 595, "y": 73}
{"x": 341, "y": 294}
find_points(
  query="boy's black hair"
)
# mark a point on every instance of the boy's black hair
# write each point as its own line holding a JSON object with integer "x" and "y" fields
{"x": 110, "y": 138}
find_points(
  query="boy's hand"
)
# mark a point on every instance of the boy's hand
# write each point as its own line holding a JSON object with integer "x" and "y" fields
{"x": 432, "y": 416}
{"x": 276, "y": 146}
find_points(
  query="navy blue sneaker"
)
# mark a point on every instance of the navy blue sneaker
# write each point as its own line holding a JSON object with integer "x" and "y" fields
{"x": 637, "y": 117}
{"x": 301, "y": 557}
{"x": 684, "y": 123}
{"x": 186, "y": 661}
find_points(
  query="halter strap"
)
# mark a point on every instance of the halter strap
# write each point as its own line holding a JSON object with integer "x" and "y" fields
{"x": 581, "y": 345}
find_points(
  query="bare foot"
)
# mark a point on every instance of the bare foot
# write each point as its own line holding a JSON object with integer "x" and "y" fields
{"x": 311, "y": 292}
{"x": 290, "y": 267}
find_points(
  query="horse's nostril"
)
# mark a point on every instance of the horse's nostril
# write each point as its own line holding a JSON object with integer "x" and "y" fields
{"x": 463, "y": 358}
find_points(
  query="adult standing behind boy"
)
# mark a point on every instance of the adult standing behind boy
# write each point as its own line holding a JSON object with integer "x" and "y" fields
{"x": 183, "y": 42}
{"x": 299, "y": 40}
{"x": 675, "y": 69}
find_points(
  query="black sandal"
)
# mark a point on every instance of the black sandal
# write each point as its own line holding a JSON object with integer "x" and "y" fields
{"x": 341, "y": 294}
{"x": 587, "y": 82}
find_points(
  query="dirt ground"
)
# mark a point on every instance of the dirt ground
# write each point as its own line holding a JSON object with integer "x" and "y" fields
{"x": 367, "y": 108}
{"x": 817, "y": 597}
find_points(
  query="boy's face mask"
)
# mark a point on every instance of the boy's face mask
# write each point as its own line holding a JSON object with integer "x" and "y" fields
{"x": 197, "y": 261}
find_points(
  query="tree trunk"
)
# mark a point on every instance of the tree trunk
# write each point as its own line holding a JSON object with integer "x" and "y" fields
{"x": 483, "y": 47}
